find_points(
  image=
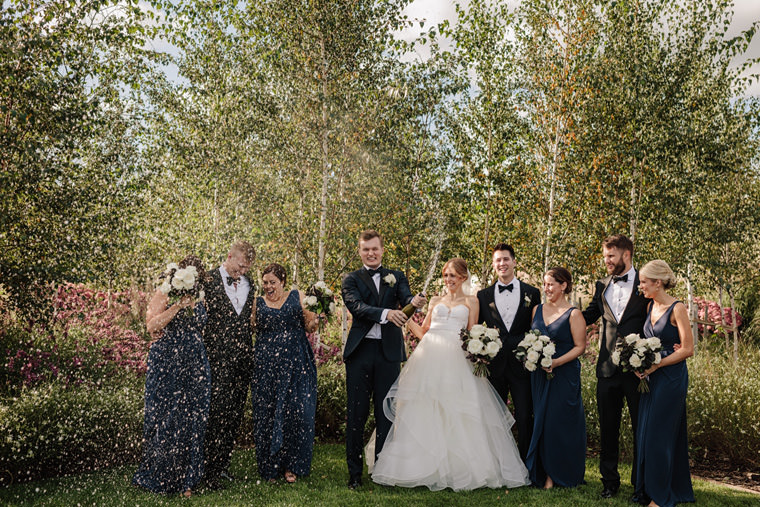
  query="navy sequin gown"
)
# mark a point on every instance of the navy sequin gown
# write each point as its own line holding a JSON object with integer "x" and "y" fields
{"x": 662, "y": 466}
{"x": 177, "y": 390}
{"x": 284, "y": 390}
{"x": 558, "y": 445}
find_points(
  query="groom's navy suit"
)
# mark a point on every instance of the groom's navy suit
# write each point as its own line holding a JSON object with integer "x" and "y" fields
{"x": 372, "y": 365}
{"x": 505, "y": 372}
{"x": 614, "y": 385}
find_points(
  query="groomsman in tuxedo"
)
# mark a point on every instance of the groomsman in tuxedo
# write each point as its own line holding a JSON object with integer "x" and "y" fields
{"x": 508, "y": 305}
{"x": 623, "y": 311}
{"x": 228, "y": 341}
{"x": 374, "y": 347}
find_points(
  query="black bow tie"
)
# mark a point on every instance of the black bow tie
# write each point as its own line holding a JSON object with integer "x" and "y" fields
{"x": 502, "y": 288}
{"x": 623, "y": 278}
{"x": 373, "y": 272}
{"x": 231, "y": 280}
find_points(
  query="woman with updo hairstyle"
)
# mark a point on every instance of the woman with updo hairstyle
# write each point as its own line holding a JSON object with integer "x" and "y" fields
{"x": 450, "y": 428}
{"x": 557, "y": 452}
{"x": 662, "y": 464}
{"x": 284, "y": 383}
{"x": 177, "y": 384}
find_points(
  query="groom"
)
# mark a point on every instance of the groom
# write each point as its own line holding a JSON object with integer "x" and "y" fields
{"x": 227, "y": 338}
{"x": 623, "y": 311}
{"x": 375, "y": 345}
{"x": 508, "y": 305}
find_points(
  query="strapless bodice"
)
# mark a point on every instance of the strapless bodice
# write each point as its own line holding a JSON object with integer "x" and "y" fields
{"x": 449, "y": 319}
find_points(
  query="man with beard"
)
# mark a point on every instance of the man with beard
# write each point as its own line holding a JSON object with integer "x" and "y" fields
{"x": 623, "y": 310}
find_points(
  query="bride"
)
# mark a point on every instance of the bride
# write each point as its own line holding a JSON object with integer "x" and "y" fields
{"x": 450, "y": 428}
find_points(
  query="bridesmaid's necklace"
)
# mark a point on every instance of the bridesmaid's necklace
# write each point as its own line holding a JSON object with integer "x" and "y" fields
{"x": 275, "y": 301}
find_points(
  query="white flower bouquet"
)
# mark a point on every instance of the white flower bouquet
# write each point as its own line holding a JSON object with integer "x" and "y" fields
{"x": 481, "y": 344}
{"x": 536, "y": 350}
{"x": 180, "y": 282}
{"x": 320, "y": 300}
{"x": 637, "y": 354}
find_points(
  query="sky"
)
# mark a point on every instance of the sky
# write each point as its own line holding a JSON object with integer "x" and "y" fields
{"x": 746, "y": 12}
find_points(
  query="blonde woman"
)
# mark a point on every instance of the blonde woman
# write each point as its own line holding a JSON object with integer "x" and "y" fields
{"x": 662, "y": 465}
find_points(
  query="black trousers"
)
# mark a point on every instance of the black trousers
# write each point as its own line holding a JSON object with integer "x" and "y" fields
{"x": 610, "y": 393}
{"x": 369, "y": 376}
{"x": 507, "y": 381}
{"x": 230, "y": 381}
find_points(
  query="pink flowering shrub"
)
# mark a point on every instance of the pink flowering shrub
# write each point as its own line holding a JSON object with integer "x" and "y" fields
{"x": 71, "y": 386}
{"x": 324, "y": 351}
{"x": 91, "y": 335}
{"x": 710, "y": 311}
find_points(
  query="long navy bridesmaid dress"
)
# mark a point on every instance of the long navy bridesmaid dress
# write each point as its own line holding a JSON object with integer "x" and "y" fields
{"x": 284, "y": 390}
{"x": 177, "y": 390}
{"x": 662, "y": 466}
{"x": 558, "y": 445}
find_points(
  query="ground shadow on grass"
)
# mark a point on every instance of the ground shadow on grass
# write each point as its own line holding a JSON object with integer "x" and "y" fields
{"x": 327, "y": 486}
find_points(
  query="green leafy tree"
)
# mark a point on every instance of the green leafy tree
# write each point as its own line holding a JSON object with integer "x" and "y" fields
{"x": 67, "y": 69}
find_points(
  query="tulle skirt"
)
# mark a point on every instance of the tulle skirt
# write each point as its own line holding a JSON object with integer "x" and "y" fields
{"x": 450, "y": 428}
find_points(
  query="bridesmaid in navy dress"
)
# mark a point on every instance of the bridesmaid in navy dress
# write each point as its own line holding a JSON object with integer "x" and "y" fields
{"x": 662, "y": 466}
{"x": 177, "y": 390}
{"x": 557, "y": 452}
{"x": 284, "y": 386}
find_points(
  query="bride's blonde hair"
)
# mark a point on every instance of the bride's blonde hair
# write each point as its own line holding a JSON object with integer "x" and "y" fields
{"x": 459, "y": 266}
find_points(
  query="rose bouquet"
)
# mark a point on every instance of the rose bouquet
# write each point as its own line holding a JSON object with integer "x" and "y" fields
{"x": 180, "y": 282}
{"x": 637, "y": 354}
{"x": 536, "y": 350}
{"x": 481, "y": 344}
{"x": 320, "y": 300}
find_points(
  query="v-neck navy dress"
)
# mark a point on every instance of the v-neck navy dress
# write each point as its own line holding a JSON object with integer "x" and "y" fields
{"x": 558, "y": 445}
{"x": 284, "y": 390}
{"x": 662, "y": 467}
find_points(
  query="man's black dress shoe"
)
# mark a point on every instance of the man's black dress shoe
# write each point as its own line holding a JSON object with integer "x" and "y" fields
{"x": 640, "y": 498}
{"x": 354, "y": 483}
{"x": 608, "y": 493}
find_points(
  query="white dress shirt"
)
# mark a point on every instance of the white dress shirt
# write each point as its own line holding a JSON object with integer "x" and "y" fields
{"x": 618, "y": 293}
{"x": 375, "y": 332}
{"x": 507, "y": 301}
{"x": 237, "y": 292}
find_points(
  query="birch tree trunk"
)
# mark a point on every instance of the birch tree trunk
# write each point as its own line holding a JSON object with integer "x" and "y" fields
{"x": 736, "y": 328}
{"x": 325, "y": 165}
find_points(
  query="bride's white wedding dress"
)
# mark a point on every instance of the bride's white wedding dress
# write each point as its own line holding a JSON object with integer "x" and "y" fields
{"x": 450, "y": 428}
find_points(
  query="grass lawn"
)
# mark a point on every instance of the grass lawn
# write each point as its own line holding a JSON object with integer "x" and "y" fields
{"x": 327, "y": 486}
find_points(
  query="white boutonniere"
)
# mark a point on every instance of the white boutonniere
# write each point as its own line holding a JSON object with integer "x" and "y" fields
{"x": 389, "y": 279}
{"x": 527, "y": 300}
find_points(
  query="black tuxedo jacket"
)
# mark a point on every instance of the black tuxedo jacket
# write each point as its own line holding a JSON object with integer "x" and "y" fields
{"x": 632, "y": 321}
{"x": 366, "y": 305}
{"x": 529, "y": 298}
{"x": 227, "y": 335}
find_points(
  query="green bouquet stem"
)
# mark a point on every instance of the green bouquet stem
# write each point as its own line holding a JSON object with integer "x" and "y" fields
{"x": 480, "y": 370}
{"x": 644, "y": 385}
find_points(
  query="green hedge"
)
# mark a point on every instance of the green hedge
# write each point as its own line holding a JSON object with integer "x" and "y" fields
{"x": 56, "y": 430}
{"x": 53, "y": 429}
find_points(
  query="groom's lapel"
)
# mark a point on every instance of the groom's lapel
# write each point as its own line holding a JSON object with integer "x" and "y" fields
{"x": 495, "y": 315}
{"x": 383, "y": 285}
{"x": 364, "y": 277}
{"x": 607, "y": 310}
